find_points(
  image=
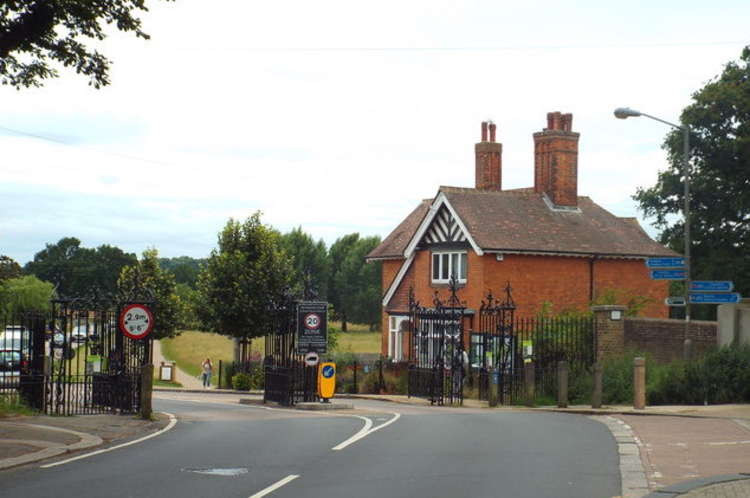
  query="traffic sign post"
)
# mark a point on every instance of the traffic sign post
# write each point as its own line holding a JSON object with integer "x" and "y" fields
{"x": 668, "y": 274}
{"x": 312, "y": 359}
{"x": 711, "y": 286}
{"x": 136, "y": 321}
{"x": 312, "y": 327}
{"x": 665, "y": 263}
{"x": 714, "y": 297}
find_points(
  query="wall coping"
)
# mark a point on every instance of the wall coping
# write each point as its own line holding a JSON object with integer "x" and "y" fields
{"x": 670, "y": 320}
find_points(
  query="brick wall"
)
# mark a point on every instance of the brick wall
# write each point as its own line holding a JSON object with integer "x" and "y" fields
{"x": 663, "y": 338}
{"x": 566, "y": 282}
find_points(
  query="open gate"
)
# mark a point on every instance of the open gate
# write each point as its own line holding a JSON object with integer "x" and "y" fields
{"x": 73, "y": 359}
{"x": 437, "y": 360}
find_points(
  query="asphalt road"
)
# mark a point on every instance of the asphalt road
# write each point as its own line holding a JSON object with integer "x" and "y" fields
{"x": 222, "y": 449}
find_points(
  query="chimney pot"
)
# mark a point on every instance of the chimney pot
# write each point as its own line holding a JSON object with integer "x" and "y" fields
{"x": 493, "y": 127}
{"x": 484, "y": 131}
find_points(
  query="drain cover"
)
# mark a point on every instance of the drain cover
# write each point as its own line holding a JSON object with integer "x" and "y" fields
{"x": 218, "y": 472}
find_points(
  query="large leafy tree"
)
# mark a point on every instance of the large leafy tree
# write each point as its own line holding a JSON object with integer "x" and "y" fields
{"x": 9, "y": 268}
{"x": 719, "y": 121}
{"x": 184, "y": 268}
{"x": 35, "y": 34}
{"x": 336, "y": 256}
{"x": 309, "y": 262}
{"x": 24, "y": 294}
{"x": 147, "y": 275}
{"x": 242, "y": 278}
{"x": 358, "y": 283}
{"x": 75, "y": 270}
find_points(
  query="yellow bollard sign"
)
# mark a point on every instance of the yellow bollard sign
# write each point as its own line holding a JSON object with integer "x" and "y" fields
{"x": 326, "y": 380}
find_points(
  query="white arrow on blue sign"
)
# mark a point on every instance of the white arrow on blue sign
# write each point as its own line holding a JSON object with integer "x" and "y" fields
{"x": 668, "y": 274}
{"x": 665, "y": 262}
{"x": 712, "y": 286}
{"x": 714, "y": 298}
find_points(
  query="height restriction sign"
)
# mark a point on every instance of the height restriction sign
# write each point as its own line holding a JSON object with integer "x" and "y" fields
{"x": 312, "y": 330}
{"x": 136, "y": 321}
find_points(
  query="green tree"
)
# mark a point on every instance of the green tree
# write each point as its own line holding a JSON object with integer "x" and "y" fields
{"x": 242, "y": 278}
{"x": 189, "y": 300}
{"x": 309, "y": 262}
{"x": 23, "y": 294}
{"x": 146, "y": 274}
{"x": 75, "y": 270}
{"x": 719, "y": 121}
{"x": 358, "y": 283}
{"x": 336, "y": 256}
{"x": 9, "y": 268}
{"x": 184, "y": 268}
{"x": 36, "y": 33}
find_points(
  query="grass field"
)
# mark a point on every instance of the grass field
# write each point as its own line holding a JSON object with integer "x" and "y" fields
{"x": 191, "y": 347}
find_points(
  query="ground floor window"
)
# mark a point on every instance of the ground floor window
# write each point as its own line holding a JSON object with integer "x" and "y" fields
{"x": 396, "y": 325}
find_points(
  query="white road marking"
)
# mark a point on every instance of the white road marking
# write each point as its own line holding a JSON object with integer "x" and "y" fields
{"x": 274, "y": 487}
{"x": 172, "y": 422}
{"x": 365, "y": 431}
{"x": 728, "y": 443}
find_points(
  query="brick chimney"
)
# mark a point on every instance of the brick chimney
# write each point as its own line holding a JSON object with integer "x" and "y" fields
{"x": 489, "y": 154}
{"x": 556, "y": 160}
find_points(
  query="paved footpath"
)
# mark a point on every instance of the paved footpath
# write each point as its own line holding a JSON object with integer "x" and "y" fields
{"x": 188, "y": 381}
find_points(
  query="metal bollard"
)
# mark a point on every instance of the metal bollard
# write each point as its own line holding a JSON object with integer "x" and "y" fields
{"x": 562, "y": 384}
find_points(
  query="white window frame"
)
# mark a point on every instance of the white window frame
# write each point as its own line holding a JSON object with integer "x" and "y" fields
{"x": 462, "y": 259}
{"x": 396, "y": 337}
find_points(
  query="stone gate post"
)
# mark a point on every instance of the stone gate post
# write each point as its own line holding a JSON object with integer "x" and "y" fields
{"x": 609, "y": 330}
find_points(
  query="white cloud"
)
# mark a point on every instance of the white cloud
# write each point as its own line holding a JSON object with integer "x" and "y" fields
{"x": 245, "y": 106}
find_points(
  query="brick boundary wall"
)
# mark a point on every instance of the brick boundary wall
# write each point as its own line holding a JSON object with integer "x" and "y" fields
{"x": 663, "y": 338}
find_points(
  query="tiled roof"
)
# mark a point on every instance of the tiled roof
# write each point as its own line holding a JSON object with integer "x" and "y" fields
{"x": 521, "y": 221}
{"x": 393, "y": 246}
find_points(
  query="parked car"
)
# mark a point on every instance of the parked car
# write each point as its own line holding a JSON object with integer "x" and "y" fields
{"x": 12, "y": 362}
{"x": 15, "y": 337}
{"x": 80, "y": 333}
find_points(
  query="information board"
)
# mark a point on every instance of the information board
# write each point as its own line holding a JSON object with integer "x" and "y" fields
{"x": 312, "y": 327}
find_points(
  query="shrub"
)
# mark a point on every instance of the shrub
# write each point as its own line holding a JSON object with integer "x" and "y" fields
{"x": 242, "y": 382}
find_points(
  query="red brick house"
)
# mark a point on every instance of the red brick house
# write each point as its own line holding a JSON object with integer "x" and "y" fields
{"x": 551, "y": 244}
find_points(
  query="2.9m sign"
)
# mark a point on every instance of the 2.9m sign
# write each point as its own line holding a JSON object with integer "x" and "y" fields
{"x": 136, "y": 321}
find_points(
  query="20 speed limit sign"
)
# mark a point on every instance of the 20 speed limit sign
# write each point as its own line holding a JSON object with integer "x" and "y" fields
{"x": 312, "y": 321}
{"x": 136, "y": 321}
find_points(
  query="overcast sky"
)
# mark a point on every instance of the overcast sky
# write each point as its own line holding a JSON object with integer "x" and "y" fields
{"x": 339, "y": 116}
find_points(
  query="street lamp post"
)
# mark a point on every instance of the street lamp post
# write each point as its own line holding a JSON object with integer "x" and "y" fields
{"x": 626, "y": 112}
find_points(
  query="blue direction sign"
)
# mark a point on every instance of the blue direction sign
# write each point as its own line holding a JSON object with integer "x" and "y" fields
{"x": 668, "y": 274}
{"x": 665, "y": 262}
{"x": 711, "y": 286}
{"x": 714, "y": 297}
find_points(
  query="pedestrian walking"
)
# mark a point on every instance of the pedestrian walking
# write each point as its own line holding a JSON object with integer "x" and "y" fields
{"x": 207, "y": 367}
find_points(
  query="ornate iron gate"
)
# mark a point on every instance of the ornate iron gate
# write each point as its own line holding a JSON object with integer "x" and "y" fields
{"x": 74, "y": 360}
{"x": 437, "y": 360}
{"x": 494, "y": 350}
{"x": 287, "y": 379}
